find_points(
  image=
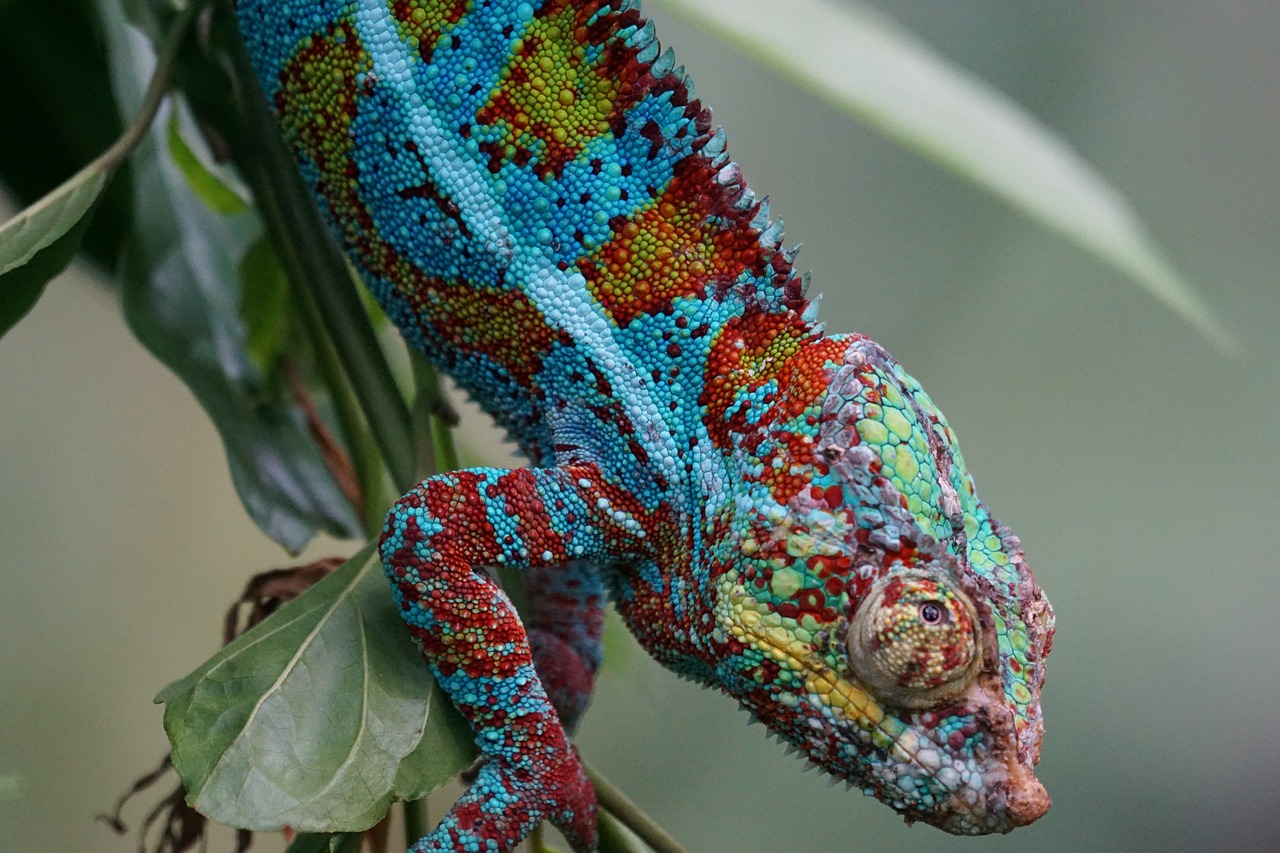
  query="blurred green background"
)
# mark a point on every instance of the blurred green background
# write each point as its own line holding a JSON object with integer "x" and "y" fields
{"x": 1137, "y": 464}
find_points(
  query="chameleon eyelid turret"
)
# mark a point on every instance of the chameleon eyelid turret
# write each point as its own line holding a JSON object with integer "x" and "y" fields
{"x": 905, "y": 659}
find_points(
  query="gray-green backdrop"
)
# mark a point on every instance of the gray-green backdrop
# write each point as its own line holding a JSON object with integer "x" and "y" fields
{"x": 1138, "y": 465}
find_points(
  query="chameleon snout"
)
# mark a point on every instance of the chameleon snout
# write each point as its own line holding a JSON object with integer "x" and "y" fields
{"x": 1027, "y": 798}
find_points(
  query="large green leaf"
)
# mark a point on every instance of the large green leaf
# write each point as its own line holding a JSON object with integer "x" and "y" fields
{"x": 872, "y": 68}
{"x": 318, "y": 718}
{"x": 210, "y": 188}
{"x": 181, "y": 298}
{"x": 41, "y": 241}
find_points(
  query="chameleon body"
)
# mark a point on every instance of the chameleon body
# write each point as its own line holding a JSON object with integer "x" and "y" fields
{"x": 536, "y": 198}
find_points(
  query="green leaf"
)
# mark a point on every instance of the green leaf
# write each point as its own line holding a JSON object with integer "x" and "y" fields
{"x": 207, "y": 186}
{"x": 873, "y": 69}
{"x": 181, "y": 300}
{"x": 41, "y": 241}
{"x": 266, "y": 309}
{"x": 318, "y": 718}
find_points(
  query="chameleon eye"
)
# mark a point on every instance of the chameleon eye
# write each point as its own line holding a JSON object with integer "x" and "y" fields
{"x": 914, "y": 640}
{"x": 932, "y": 613}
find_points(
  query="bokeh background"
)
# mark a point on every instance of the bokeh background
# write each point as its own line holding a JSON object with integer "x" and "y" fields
{"x": 1137, "y": 463}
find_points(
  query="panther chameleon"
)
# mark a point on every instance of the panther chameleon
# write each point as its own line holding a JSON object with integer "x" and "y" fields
{"x": 538, "y": 201}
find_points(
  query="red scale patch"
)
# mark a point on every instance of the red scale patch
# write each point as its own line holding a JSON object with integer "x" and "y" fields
{"x": 752, "y": 351}
{"x": 669, "y": 249}
{"x": 533, "y": 524}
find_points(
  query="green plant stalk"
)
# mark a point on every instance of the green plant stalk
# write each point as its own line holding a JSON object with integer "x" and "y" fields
{"x": 432, "y": 406}
{"x": 612, "y": 800}
{"x": 314, "y": 263}
{"x": 365, "y": 455}
{"x": 427, "y": 385}
{"x": 446, "y": 448}
{"x": 415, "y": 820}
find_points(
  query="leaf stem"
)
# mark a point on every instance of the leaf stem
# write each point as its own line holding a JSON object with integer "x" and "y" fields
{"x": 630, "y": 815}
{"x": 157, "y": 89}
{"x": 415, "y": 820}
{"x": 370, "y": 471}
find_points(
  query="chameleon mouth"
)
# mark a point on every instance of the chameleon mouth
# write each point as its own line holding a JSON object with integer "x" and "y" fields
{"x": 1011, "y": 795}
{"x": 962, "y": 812}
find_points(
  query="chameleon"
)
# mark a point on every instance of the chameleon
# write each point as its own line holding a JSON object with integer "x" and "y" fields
{"x": 535, "y": 196}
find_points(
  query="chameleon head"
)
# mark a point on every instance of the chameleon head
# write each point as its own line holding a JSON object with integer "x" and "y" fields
{"x": 878, "y": 619}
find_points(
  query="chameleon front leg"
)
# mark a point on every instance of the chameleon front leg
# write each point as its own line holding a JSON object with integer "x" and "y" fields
{"x": 436, "y": 543}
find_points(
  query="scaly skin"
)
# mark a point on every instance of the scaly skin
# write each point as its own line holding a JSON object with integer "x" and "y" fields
{"x": 536, "y": 199}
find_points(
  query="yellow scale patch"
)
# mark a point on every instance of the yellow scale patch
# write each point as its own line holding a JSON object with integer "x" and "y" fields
{"x": 753, "y": 624}
{"x": 549, "y": 99}
{"x": 316, "y": 104}
{"x": 662, "y": 253}
{"x": 424, "y": 23}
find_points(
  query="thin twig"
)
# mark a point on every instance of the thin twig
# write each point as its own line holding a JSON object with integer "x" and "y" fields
{"x": 157, "y": 89}
{"x": 335, "y": 456}
{"x": 630, "y": 815}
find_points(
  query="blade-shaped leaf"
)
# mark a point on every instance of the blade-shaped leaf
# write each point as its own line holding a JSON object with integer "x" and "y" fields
{"x": 318, "y": 718}
{"x": 41, "y": 241}
{"x": 208, "y": 187}
{"x": 181, "y": 301}
{"x": 872, "y": 68}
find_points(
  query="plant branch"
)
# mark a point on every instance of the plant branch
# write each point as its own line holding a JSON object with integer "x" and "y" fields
{"x": 630, "y": 815}
{"x": 435, "y": 419}
{"x": 157, "y": 89}
{"x": 365, "y": 456}
{"x": 415, "y": 820}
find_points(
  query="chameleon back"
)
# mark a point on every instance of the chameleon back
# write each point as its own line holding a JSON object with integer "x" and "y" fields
{"x": 546, "y": 220}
